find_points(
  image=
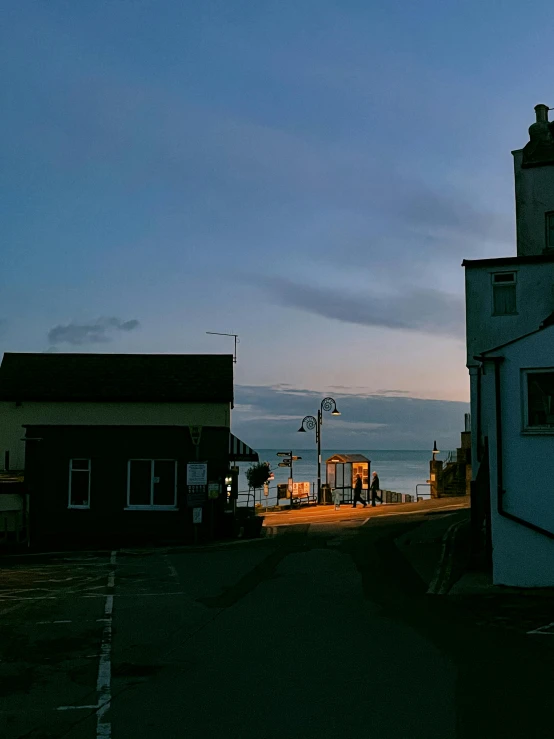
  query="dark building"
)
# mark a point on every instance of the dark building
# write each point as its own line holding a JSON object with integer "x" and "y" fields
{"x": 114, "y": 485}
{"x": 122, "y": 448}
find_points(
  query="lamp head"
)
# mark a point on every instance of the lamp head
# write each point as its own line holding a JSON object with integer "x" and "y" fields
{"x": 336, "y": 412}
{"x": 302, "y": 429}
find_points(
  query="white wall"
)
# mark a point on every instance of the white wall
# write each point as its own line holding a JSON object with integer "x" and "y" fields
{"x": 534, "y": 198}
{"x": 12, "y": 419}
{"x": 521, "y": 557}
{"x": 535, "y": 301}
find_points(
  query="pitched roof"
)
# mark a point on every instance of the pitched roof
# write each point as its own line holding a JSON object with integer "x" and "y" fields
{"x": 548, "y": 321}
{"x": 200, "y": 378}
{"x": 348, "y": 458}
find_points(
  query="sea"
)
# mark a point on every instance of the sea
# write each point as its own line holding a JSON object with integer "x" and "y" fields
{"x": 399, "y": 471}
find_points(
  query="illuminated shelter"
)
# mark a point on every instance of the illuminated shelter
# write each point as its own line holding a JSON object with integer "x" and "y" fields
{"x": 342, "y": 471}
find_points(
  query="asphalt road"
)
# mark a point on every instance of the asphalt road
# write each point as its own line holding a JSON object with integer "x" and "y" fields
{"x": 320, "y": 630}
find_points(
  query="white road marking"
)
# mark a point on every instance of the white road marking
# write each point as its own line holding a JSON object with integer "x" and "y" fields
{"x": 439, "y": 583}
{"x": 104, "y": 681}
{"x": 75, "y": 708}
{"x": 543, "y": 630}
{"x": 136, "y": 595}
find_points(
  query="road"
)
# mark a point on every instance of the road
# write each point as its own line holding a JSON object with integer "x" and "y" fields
{"x": 322, "y": 629}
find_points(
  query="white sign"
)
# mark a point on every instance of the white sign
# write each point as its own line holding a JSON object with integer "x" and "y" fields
{"x": 197, "y": 515}
{"x": 289, "y": 488}
{"x": 300, "y": 489}
{"x": 197, "y": 473}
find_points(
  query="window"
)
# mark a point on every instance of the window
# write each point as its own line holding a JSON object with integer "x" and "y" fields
{"x": 550, "y": 230}
{"x": 504, "y": 293}
{"x": 152, "y": 484}
{"x": 79, "y": 483}
{"x": 539, "y": 400}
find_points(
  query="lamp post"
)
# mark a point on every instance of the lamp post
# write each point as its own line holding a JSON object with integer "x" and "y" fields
{"x": 435, "y": 470}
{"x": 310, "y": 422}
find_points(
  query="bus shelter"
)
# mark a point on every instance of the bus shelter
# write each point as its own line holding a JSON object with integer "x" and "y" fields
{"x": 342, "y": 471}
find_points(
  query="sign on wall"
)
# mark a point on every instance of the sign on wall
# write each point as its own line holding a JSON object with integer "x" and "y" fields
{"x": 197, "y": 515}
{"x": 214, "y": 488}
{"x": 196, "y": 495}
{"x": 300, "y": 489}
{"x": 197, "y": 473}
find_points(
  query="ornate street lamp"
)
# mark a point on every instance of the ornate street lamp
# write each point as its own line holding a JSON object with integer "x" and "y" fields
{"x": 310, "y": 423}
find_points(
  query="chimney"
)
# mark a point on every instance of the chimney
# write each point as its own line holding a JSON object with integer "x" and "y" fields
{"x": 541, "y": 112}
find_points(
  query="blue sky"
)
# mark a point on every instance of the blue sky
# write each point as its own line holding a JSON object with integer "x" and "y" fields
{"x": 309, "y": 175}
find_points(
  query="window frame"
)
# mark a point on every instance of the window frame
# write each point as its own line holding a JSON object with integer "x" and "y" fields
{"x": 526, "y": 428}
{"x": 547, "y": 217}
{"x": 152, "y": 506}
{"x": 71, "y": 471}
{"x": 500, "y": 286}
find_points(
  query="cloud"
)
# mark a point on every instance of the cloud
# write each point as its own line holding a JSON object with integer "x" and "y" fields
{"x": 418, "y": 309}
{"x": 269, "y": 416}
{"x": 449, "y": 212}
{"x": 93, "y": 333}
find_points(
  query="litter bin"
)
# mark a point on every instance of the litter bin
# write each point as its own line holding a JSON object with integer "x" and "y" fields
{"x": 326, "y": 494}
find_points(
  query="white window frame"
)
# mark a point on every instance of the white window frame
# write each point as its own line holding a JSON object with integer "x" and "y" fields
{"x": 499, "y": 286}
{"x": 71, "y": 471}
{"x": 526, "y": 429}
{"x": 150, "y": 507}
{"x": 548, "y": 217}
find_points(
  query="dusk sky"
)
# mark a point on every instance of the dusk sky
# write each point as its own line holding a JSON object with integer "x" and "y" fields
{"x": 308, "y": 175}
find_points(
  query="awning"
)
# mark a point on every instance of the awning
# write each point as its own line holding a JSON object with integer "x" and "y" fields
{"x": 241, "y": 452}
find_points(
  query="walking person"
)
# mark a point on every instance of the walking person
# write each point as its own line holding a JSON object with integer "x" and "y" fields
{"x": 375, "y": 488}
{"x": 358, "y": 492}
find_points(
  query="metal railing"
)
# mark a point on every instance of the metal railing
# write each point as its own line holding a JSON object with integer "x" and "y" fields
{"x": 422, "y": 485}
{"x": 251, "y": 498}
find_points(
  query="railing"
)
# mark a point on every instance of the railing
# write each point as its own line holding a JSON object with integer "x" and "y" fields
{"x": 451, "y": 457}
{"x": 250, "y": 498}
{"x": 422, "y": 485}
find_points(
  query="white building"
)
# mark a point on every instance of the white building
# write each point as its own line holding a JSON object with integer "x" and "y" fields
{"x": 518, "y": 413}
{"x": 508, "y": 300}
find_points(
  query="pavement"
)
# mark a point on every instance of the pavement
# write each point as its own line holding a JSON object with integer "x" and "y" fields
{"x": 329, "y": 624}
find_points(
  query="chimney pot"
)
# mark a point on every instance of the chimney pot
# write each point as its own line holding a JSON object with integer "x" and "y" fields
{"x": 541, "y": 112}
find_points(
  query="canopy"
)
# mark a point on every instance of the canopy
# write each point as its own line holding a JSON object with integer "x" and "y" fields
{"x": 241, "y": 452}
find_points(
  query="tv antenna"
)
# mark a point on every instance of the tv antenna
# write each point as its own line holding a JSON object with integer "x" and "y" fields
{"x": 237, "y": 341}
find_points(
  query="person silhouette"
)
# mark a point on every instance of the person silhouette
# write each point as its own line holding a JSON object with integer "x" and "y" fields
{"x": 358, "y": 492}
{"x": 375, "y": 487}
